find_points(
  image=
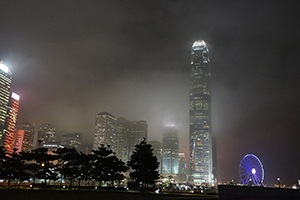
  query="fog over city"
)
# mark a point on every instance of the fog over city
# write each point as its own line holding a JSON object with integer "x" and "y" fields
{"x": 71, "y": 60}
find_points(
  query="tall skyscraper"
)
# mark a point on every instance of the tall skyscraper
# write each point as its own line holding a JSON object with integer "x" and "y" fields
{"x": 201, "y": 155}
{"x": 157, "y": 151}
{"x": 128, "y": 134}
{"x": 28, "y": 137}
{"x": 138, "y": 132}
{"x": 122, "y": 137}
{"x": 170, "y": 146}
{"x": 10, "y": 124}
{"x": 120, "y": 134}
{"x": 71, "y": 140}
{"x": 45, "y": 135}
{"x": 5, "y": 82}
{"x": 105, "y": 130}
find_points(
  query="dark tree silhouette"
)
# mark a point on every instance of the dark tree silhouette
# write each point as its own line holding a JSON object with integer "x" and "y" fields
{"x": 70, "y": 164}
{"x": 144, "y": 164}
{"x": 84, "y": 167}
{"x": 106, "y": 166}
{"x": 40, "y": 165}
{"x": 12, "y": 166}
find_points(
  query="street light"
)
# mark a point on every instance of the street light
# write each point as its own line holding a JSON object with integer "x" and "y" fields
{"x": 278, "y": 181}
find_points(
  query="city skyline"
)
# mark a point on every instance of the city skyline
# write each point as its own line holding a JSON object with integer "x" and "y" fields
{"x": 72, "y": 60}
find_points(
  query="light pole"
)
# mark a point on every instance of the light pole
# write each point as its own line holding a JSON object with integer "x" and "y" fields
{"x": 278, "y": 181}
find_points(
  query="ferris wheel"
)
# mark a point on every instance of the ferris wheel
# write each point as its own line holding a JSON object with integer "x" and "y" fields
{"x": 251, "y": 170}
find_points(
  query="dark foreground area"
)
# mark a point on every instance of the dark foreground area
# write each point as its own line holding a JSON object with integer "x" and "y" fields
{"x": 228, "y": 192}
{"x": 14, "y": 194}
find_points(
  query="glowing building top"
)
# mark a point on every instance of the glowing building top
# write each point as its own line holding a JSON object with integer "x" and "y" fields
{"x": 199, "y": 43}
{"x": 4, "y": 68}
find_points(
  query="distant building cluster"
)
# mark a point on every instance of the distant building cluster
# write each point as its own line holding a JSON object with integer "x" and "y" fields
{"x": 120, "y": 134}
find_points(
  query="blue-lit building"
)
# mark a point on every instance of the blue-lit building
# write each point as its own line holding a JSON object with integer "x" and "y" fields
{"x": 170, "y": 146}
{"x": 202, "y": 161}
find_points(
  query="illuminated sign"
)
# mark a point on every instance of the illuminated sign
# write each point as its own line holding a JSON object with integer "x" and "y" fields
{"x": 15, "y": 96}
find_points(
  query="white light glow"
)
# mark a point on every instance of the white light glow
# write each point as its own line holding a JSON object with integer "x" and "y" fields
{"x": 199, "y": 43}
{"x": 15, "y": 96}
{"x": 4, "y": 68}
{"x": 253, "y": 171}
{"x": 170, "y": 125}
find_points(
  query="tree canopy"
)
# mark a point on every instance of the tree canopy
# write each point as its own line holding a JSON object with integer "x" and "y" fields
{"x": 144, "y": 164}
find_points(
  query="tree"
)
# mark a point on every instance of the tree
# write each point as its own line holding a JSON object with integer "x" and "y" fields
{"x": 40, "y": 165}
{"x": 84, "y": 167}
{"x": 12, "y": 167}
{"x": 144, "y": 164}
{"x": 106, "y": 166}
{"x": 70, "y": 163}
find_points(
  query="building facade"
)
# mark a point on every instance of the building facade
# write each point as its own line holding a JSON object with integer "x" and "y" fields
{"x": 9, "y": 132}
{"x": 5, "y": 83}
{"x": 87, "y": 148}
{"x": 201, "y": 155}
{"x": 18, "y": 140}
{"x": 138, "y": 132}
{"x": 120, "y": 134}
{"x": 123, "y": 134}
{"x": 182, "y": 163}
{"x": 46, "y": 134}
{"x": 170, "y": 147}
{"x": 28, "y": 137}
{"x": 105, "y": 131}
{"x": 157, "y": 151}
{"x": 72, "y": 140}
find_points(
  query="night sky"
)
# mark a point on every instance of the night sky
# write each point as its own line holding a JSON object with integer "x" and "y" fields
{"x": 74, "y": 59}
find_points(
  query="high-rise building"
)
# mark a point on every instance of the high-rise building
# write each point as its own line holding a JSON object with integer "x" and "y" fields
{"x": 71, "y": 140}
{"x": 122, "y": 138}
{"x": 18, "y": 140}
{"x": 28, "y": 137}
{"x": 105, "y": 131}
{"x": 170, "y": 146}
{"x": 138, "y": 132}
{"x": 5, "y": 82}
{"x": 120, "y": 134}
{"x": 45, "y": 135}
{"x": 182, "y": 163}
{"x": 156, "y": 146}
{"x": 201, "y": 155}
{"x": 10, "y": 124}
